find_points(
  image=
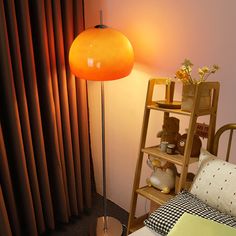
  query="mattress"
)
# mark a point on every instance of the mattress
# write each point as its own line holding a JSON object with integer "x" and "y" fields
{"x": 144, "y": 231}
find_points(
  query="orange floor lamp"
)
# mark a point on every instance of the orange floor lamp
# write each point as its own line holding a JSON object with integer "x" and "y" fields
{"x": 102, "y": 54}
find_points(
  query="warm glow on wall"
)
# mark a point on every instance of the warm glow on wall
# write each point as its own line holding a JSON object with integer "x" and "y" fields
{"x": 101, "y": 54}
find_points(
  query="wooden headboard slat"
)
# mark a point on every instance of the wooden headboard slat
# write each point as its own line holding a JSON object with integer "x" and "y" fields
{"x": 229, "y": 144}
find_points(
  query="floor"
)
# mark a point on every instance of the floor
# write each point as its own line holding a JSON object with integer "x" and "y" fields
{"x": 86, "y": 224}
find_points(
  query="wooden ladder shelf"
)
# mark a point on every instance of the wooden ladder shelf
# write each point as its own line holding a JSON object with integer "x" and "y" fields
{"x": 183, "y": 161}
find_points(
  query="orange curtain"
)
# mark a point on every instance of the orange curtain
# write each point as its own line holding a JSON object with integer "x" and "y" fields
{"x": 45, "y": 174}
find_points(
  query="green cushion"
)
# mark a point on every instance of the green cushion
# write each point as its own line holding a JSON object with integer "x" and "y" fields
{"x": 195, "y": 225}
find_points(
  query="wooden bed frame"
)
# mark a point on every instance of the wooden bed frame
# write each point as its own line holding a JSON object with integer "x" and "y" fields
{"x": 228, "y": 127}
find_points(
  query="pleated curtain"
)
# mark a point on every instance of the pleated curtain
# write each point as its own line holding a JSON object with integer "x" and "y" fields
{"x": 45, "y": 169}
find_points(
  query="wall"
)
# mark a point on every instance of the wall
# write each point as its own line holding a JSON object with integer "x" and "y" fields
{"x": 163, "y": 34}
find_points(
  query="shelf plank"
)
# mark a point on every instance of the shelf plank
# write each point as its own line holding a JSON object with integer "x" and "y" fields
{"x": 205, "y": 112}
{"x": 175, "y": 159}
{"x": 176, "y": 111}
{"x": 155, "y": 195}
{"x": 179, "y": 111}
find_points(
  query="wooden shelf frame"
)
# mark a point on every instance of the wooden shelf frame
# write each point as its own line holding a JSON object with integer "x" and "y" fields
{"x": 183, "y": 161}
{"x": 137, "y": 223}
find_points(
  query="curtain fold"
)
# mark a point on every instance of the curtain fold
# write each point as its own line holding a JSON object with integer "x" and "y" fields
{"x": 82, "y": 98}
{"x": 56, "y": 95}
{"x": 48, "y": 109}
{"x": 63, "y": 90}
{"x": 68, "y": 36}
{"x": 44, "y": 137}
{"x": 7, "y": 187}
{"x": 13, "y": 128}
{"x": 23, "y": 110}
{"x": 5, "y": 228}
{"x": 29, "y": 70}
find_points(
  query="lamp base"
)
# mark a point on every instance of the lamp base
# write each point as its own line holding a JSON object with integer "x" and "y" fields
{"x": 114, "y": 227}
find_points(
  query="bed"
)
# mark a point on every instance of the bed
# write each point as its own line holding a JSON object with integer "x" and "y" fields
{"x": 211, "y": 199}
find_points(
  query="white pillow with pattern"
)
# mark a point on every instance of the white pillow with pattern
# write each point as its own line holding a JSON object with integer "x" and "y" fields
{"x": 215, "y": 183}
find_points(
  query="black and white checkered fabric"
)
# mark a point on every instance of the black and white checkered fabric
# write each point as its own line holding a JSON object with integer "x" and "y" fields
{"x": 165, "y": 217}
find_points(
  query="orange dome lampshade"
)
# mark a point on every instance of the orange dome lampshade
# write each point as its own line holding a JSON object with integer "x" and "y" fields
{"x": 101, "y": 53}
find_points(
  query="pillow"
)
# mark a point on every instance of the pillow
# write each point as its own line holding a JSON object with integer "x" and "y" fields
{"x": 165, "y": 217}
{"x": 187, "y": 225}
{"x": 215, "y": 183}
{"x": 205, "y": 156}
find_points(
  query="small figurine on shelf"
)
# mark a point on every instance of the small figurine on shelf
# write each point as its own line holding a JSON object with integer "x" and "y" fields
{"x": 196, "y": 147}
{"x": 163, "y": 175}
{"x": 170, "y": 130}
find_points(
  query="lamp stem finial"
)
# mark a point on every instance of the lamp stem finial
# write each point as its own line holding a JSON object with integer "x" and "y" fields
{"x": 101, "y": 17}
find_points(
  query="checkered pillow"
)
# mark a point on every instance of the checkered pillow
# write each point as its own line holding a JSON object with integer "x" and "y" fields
{"x": 165, "y": 217}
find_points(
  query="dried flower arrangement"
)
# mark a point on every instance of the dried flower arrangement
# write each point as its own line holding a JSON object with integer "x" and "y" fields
{"x": 184, "y": 73}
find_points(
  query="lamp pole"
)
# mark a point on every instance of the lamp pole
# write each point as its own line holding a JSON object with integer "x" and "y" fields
{"x": 106, "y": 225}
{"x": 103, "y": 156}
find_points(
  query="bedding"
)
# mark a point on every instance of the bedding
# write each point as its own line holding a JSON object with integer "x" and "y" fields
{"x": 165, "y": 217}
{"x": 144, "y": 231}
{"x": 187, "y": 225}
{"x": 215, "y": 183}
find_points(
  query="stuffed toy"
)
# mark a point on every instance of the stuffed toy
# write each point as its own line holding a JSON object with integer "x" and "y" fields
{"x": 170, "y": 130}
{"x": 196, "y": 147}
{"x": 163, "y": 175}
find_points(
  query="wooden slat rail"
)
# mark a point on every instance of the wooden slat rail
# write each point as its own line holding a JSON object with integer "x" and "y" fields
{"x": 228, "y": 127}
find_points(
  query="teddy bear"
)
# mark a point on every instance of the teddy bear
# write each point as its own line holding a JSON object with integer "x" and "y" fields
{"x": 170, "y": 130}
{"x": 163, "y": 175}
